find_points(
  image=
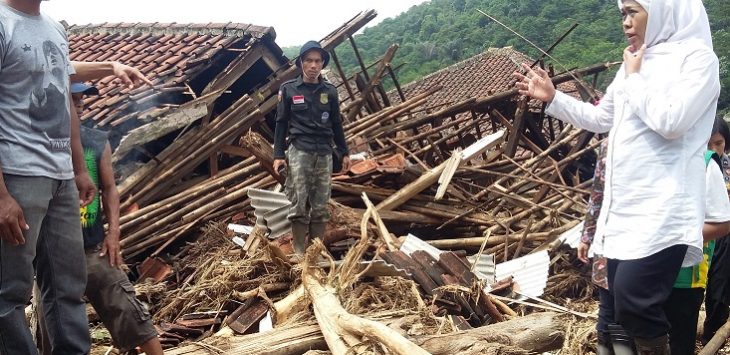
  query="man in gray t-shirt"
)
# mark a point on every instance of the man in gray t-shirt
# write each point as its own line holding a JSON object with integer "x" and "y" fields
{"x": 43, "y": 178}
{"x": 39, "y": 198}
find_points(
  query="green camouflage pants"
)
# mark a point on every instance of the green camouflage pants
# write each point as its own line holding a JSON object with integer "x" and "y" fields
{"x": 308, "y": 186}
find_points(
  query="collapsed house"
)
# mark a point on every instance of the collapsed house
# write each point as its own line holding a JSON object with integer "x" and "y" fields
{"x": 445, "y": 224}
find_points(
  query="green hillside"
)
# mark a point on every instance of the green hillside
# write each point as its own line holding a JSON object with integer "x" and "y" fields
{"x": 439, "y": 33}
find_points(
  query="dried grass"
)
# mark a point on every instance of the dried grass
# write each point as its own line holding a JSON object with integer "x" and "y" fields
{"x": 380, "y": 295}
{"x": 580, "y": 337}
{"x": 218, "y": 271}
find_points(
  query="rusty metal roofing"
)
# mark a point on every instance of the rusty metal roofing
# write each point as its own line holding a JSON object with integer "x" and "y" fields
{"x": 271, "y": 209}
{"x": 530, "y": 273}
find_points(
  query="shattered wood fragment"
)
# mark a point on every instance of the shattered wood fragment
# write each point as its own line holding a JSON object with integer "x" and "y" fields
{"x": 248, "y": 317}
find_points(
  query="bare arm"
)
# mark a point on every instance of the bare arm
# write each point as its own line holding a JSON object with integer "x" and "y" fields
{"x": 538, "y": 85}
{"x": 86, "y": 71}
{"x": 110, "y": 203}
{"x": 713, "y": 231}
{"x": 86, "y": 187}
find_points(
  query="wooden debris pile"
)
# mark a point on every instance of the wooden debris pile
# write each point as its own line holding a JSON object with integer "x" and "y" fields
{"x": 350, "y": 311}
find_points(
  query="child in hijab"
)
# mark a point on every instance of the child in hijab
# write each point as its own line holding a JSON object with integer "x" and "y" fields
{"x": 658, "y": 113}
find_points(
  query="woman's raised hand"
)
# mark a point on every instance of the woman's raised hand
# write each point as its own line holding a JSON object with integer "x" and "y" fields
{"x": 633, "y": 58}
{"x": 535, "y": 84}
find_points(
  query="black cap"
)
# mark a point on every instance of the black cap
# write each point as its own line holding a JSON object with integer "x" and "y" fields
{"x": 313, "y": 45}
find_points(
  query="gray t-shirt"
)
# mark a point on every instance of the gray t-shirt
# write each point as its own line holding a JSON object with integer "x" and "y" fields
{"x": 34, "y": 96}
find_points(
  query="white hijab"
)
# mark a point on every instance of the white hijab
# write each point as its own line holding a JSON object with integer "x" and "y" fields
{"x": 673, "y": 22}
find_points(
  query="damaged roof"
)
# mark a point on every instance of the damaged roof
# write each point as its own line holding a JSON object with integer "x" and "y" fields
{"x": 482, "y": 75}
{"x": 172, "y": 55}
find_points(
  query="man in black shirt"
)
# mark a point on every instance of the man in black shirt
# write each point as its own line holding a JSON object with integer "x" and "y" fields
{"x": 308, "y": 114}
{"x": 108, "y": 289}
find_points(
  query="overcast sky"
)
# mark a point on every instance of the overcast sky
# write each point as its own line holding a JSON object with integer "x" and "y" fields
{"x": 295, "y": 22}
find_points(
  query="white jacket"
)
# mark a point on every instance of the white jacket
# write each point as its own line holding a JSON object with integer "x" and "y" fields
{"x": 659, "y": 121}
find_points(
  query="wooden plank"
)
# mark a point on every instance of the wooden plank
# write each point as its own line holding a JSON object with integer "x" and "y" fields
{"x": 178, "y": 118}
{"x": 198, "y": 323}
{"x": 236, "y": 69}
{"x": 431, "y": 176}
{"x": 234, "y": 150}
{"x": 357, "y": 104}
{"x": 518, "y": 126}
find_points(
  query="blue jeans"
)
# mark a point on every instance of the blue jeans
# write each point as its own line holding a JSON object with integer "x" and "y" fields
{"x": 54, "y": 245}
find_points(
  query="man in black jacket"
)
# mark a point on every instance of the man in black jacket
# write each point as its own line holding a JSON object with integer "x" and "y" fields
{"x": 308, "y": 114}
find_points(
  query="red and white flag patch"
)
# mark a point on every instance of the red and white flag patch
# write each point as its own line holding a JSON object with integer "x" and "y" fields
{"x": 299, "y": 99}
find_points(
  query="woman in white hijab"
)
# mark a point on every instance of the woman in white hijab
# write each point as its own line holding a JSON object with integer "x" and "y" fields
{"x": 658, "y": 113}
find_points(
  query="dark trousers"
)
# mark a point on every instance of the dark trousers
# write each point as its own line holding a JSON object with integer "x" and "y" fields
{"x": 638, "y": 290}
{"x": 55, "y": 246}
{"x": 683, "y": 309}
{"x": 717, "y": 314}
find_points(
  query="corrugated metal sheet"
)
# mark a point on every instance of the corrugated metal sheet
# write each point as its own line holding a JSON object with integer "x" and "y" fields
{"x": 413, "y": 243}
{"x": 572, "y": 236}
{"x": 270, "y": 209}
{"x": 485, "y": 267}
{"x": 277, "y": 222}
{"x": 529, "y": 272}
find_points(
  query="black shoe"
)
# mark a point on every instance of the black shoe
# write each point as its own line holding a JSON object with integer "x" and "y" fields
{"x": 622, "y": 343}
{"x": 604, "y": 346}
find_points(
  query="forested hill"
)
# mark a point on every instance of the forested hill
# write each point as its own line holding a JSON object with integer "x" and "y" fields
{"x": 438, "y": 33}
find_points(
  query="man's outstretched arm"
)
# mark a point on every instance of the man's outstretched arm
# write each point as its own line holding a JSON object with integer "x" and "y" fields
{"x": 131, "y": 77}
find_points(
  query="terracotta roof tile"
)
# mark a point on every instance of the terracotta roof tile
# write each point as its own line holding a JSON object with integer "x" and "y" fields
{"x": 179, "y": 47}
{"x": 172, "y": 60}
{"x": 163, "y": 57}
{"x": 105, "y": 56}
{"x": 165, "y": 48}
{"x": 129, "y": 46}
{"x": 94, "y": 56}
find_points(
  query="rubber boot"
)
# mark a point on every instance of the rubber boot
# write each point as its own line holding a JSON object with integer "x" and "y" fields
{"x": 317, "y": 229}
{"x": 621, "y": 341}
{"x": 299, "y": 237}
{"x": 604, "y": 346}
{"x": 655, "y": 346}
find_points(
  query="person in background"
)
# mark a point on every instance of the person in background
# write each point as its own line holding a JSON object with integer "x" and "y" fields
{"x": 308, "y": 114}
{"x": 658, "y": 112}
{"x": 108, "y": 289}
{"x": 683, "y": 305}
{"x": 717, "y": 297}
